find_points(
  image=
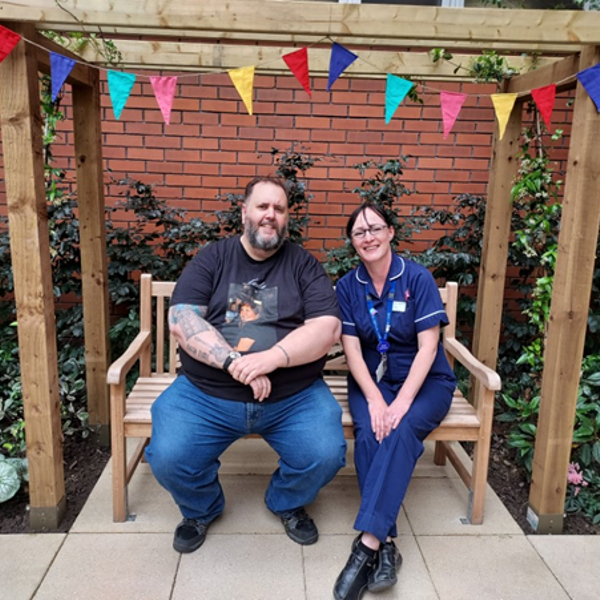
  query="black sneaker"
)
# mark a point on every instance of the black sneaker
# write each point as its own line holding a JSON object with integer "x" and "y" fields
{"x": 300, "y": 527}
{"x": 189, "y": 535}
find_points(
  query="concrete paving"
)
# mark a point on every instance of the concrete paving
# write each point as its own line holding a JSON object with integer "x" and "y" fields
{"x": 247, "y": 556}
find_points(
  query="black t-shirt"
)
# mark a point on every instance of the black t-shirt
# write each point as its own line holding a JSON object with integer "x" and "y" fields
{"x": 254, "y": 304}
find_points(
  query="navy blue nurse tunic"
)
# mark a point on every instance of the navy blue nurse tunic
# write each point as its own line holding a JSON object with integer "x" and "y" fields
{"x": 384, "y": 469}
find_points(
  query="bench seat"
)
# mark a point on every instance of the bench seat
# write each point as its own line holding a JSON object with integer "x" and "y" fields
{"x": 131, "y": 416}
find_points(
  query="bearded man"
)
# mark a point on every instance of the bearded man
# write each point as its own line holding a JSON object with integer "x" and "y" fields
{"x": 275, "y": 389}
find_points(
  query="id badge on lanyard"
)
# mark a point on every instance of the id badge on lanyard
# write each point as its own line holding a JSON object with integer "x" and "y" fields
{"x": 382, "y": 344}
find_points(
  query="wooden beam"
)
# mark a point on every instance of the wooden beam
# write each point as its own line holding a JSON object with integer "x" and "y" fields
{"x": 182, "y": 56}
{"x": 561, "y": 72}
{"x": 299, "y": 39}
{"x": 496, "y": 234}
{"x": 568, "y": 313}
{"x": 30, "y": 250}
{"x": 94, "y": 270}
{"x": 316, "y": 18}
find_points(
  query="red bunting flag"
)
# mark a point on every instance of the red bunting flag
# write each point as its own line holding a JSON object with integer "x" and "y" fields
{"x": 544, "y": 99}
{"x": 298, "y": 64}
{"x": 8, "y": 40}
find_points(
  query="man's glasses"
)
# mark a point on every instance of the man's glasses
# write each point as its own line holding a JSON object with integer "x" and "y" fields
{"x": 374, "y": 230}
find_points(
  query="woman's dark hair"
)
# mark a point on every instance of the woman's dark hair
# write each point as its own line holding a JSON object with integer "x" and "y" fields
{"x": 376, "y": 208}
{"x": 266, "y": 179}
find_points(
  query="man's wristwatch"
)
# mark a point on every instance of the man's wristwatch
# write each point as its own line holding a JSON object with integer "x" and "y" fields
{"x": 230, "y": 358}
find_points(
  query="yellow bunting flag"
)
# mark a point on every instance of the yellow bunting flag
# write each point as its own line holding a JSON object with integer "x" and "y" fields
{"x": 243, "y": 79}
{"x": 503, "y": 105}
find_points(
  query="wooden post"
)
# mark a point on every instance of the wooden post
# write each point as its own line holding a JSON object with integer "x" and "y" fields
{"x": 568, "y": 313}
{"x": 94, "y": 271}
{"x": 496, "y": 233}
{"x": 30, "y": 249}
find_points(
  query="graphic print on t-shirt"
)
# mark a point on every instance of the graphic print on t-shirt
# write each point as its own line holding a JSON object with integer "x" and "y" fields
{"x": 251, "y": 316}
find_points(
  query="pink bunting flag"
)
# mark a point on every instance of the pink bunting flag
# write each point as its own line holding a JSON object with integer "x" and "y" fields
{"x": 451, "y": 104}
{"x": 297, "y": 62}
{"x": 8, "y": 40}
{"x": 164, "y": 90}
{"x": 544, "y": 99}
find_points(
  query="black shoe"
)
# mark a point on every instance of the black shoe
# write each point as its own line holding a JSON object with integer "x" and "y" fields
{"x": 352, "y": 582}
{"x": 384, "y": 574}
{"x": 189, "y": 535}
{"x": 300, "y": 527}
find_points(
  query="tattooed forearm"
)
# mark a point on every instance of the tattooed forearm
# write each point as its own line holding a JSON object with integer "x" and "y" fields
{"x": 197, "y": 337}
{"x": 190, "y": 319}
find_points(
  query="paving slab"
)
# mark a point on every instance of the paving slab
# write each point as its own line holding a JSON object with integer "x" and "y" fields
{"x": 115, "y": 566}
{"x": 574, "y": 561}
{"x": 488, "y": 567}
{"x": 324, "y": 561}
{"x": 151, "y": 506}
{"x": 25, "y": 560}
{"x": 439, "y": 506}
{"x": 248, "y": 567}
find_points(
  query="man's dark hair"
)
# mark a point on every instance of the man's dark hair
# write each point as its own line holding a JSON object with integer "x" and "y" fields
{"x": 266, "y": 179}
{"x": 376, "y": 208}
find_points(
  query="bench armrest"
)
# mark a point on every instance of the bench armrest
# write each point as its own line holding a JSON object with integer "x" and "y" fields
{"x": 121, "y": 366}
{"x": 486, "y": 376}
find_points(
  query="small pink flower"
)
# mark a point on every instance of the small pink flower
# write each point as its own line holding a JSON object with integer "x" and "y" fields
{"x": 574, "y": 475}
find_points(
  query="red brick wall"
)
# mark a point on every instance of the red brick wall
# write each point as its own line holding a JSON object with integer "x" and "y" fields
{"x": 212, "y": 146}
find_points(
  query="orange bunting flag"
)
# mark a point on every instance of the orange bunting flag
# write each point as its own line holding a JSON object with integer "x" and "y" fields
{"x": 503, "y": 105}
{"x": 544, "y": 99}
{"x": 8, "y": 40}
{"x": 451, "y": 104}
{"x": 243, "y": 79}
{"x": 297, "y": 62}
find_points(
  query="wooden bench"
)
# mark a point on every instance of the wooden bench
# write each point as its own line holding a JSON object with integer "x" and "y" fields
{"x": 130, "y": 412}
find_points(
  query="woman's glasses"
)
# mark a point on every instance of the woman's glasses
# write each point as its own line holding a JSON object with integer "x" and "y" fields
{"x": 374, "y": 230}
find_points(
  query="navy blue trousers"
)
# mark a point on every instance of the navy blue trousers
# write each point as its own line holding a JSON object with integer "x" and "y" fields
{"x": 384, "y": 469}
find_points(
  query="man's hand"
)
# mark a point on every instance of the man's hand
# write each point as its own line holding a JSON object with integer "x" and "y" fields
{"x": 250, "y": 366}
{"x": 261, "y": 386}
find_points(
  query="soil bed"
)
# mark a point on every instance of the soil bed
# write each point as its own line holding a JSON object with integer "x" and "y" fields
{"x": 84, "y": 461}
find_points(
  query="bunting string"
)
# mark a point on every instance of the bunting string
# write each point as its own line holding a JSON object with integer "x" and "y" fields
{"x": 120, "y": 83}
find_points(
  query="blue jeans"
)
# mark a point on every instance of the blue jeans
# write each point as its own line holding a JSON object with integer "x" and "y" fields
{"x": 191, "y": 429}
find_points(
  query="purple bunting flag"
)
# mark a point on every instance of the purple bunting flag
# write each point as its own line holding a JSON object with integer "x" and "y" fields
{"x": 341, "y": 59}
{"x": 60, "y": 67}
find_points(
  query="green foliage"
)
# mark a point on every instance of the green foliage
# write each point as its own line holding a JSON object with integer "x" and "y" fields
{"x": 381, "y": 184}
{"x": 585, "y": 497}
{"x": 13, "y": 471}
{"x": 489, "y": 67}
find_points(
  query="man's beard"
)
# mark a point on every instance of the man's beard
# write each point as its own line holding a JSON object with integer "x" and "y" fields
{"x": 260, "y": 243}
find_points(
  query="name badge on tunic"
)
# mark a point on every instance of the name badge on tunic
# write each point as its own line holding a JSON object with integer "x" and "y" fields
{"x": 399, "y": 306}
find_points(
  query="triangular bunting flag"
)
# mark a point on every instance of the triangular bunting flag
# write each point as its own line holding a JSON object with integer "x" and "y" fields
{"x": 8, "y": 40}
{"x": 451, "y": 104}
{"x": 243, "y": 79}
{"x": 590, "y": 80}
{"x": 164, "y": 90}
{"x": 341, "y": 59}
{"x": 60, "y": 67}
{"x": 119, "y": 88}
{"x": 544, "y": 98}
{"x": 396, "y": 89}
{"x": 503, "y": 105}
{"x": 297, "y": 62}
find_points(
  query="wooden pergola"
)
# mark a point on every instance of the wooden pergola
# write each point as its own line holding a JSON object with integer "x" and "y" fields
{"x": 216, "y": 35}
